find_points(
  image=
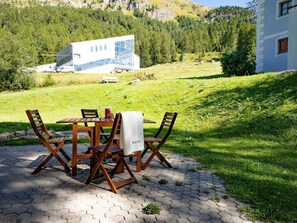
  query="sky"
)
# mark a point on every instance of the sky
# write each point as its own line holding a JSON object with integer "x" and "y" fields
{"x": 218, "y": 3}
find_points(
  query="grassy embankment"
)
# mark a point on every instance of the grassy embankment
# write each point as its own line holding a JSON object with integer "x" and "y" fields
{"x": 242, "y": 128}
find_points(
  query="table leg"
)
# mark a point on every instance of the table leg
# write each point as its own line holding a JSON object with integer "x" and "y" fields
{"x": 97, "y": 134}
{"x": 74, "y": 149}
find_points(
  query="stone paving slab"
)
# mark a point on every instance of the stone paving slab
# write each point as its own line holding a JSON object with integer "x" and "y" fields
{"x": 190, "y": 195}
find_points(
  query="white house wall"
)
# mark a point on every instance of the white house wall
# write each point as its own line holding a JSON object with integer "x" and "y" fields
{"x": 292, "y": 57}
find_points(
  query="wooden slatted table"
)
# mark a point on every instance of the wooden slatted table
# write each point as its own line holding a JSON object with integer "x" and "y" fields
{"x": 95, "y": 136}
{"x": 95, "y": 140}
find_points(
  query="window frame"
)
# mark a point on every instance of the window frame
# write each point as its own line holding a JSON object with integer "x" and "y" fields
{"x": 281, "y": 49}
{"x": 284, "y": 7}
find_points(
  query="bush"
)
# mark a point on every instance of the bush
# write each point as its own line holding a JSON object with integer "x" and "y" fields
{"x": 14, "y": 81}
{"x": 48, "y": 81}
{"x": 237, "y": 64}
{"x": 145, "y": 76}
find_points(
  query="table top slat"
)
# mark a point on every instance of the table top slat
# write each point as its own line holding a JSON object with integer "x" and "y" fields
{"x": 100, "y": 120}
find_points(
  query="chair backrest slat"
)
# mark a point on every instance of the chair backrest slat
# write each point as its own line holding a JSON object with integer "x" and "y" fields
{"x": 89, "y": 113}
{"x": 167, "y": 122}
{"x": 37, "y": 124}
{"x": 115, "y": 130}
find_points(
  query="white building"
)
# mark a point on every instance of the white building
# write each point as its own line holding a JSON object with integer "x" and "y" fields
{"x": 100, "y": 56}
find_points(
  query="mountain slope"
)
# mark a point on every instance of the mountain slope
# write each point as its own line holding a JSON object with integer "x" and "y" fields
{"x": 158, "y": 9}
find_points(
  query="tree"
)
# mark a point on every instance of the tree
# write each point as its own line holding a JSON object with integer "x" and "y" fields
{"x": 165, "y": 49}
{"x": 145, "y": 56}
{"x": 14, "y": 60}
{"x": 243, "y": 60}
{"x": 156, "y": 44}
{"x": 173, "y": 51}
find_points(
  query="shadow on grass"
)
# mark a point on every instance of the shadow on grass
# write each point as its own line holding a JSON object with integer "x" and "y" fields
{"x": 206, "y": 77}
{"x": 256, "y": 171}
{"x": 8, "y": 127}
{"x": 253, "y": 152}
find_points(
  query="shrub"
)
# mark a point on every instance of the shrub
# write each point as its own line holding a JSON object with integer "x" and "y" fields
{"x": 48, "y": 81}
{"x": 145, "y": 76}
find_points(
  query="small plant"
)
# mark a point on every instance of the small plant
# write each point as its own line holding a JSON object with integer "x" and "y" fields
{"x": 142, "y": 185}
{"x": 151, "y": 209}
{"x": 178, "y": 183}
{"x": 213, "y": 187}
{"x": 146, "y": 177}
{"x": 245, "y": 208}
{"x": 176, "y": 167}
{"x": 200, "y": 167}
{"x": 216, "y": 199}
{"x": 192, "y": 170}
{"x": 225, "y": 197}
{"x": 163, "y": 181}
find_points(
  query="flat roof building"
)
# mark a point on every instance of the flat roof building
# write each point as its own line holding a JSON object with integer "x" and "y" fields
{"x": 99, "y": 56}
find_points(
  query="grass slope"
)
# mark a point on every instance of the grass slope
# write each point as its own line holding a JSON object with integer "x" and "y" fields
{"x": 242, "y": 128}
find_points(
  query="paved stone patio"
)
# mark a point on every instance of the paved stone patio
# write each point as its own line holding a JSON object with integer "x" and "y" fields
{"x": 191, "y": 194}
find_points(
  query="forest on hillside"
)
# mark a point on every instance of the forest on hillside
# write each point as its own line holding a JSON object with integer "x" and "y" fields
{"x": 44, "y": 30}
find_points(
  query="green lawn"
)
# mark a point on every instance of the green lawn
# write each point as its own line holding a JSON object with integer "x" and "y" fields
{"x": 242, "y": 128}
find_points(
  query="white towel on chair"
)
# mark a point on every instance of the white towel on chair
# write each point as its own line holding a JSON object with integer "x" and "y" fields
{"x": 131, "y": 135}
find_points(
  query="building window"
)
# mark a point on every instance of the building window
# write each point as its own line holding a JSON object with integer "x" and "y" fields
{"x": 105, "y": 47}
{"x": 76, "y": 55}
{"x": 283, "y": 45}
{"x": 91, "y": 49}
{"x": 284, "y": 7}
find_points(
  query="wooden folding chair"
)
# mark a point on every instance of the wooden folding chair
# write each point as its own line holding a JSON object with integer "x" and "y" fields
{"x": 47, "y": 140}
{"x": 159, "y": 139}
{"x": 93, "y": 113}
{"x": 108, "y": 150}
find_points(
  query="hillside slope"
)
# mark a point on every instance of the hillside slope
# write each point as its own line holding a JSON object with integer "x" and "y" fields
{"x": 158, "y": 9}
{"x": 243, "y": 128}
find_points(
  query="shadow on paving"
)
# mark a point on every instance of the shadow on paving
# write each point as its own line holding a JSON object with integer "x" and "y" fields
{"x": 53, "y": 194}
